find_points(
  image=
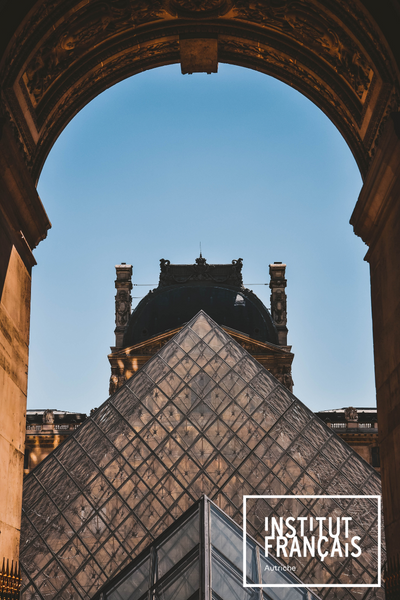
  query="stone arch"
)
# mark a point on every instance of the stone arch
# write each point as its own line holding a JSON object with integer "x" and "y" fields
{"x": 56, "y": 55}
{"x": 68, "y": 52}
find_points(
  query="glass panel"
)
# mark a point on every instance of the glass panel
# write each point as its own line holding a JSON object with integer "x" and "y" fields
{"x": 78, "y": 512}
{"x": 100, "y": 450}
{"x": 201, "y": 384}
{"x": 201, "y": 451}
{"x": 280, "y": 398}
{"x": 140, "y": 385}
{"x": 186, "y": 399}
{"x": 135, "y": 584}
{"x": 201, "y": 326}
{"x": 202, "y": 415}
{"x": 317, "y": 432}
{"x": 217, "y": 369}
{"x": 185, "y": 434}
{"x": 90, "y": 578}
{"x": 232, "y": 384}
{"x": 283, "y": 433}
{"x": 36, "y": 556}
{"x": 298, "y": 415}
{"x": 57, "y": 534}
{"x": 156, "y": 369}
{"x": 228, "y": 540}
{"x": 184, "y": 586}
{"x": 216, "y": 339}
{"x": 106, "y": 417}
{"x": 187, "y": 339}
{"x": 231, "y": 353}
{"x": 228, "y": 585}
{"x": 94, "y": 533}
{"x": 171, "y": 353}
{"x": 32, "y": 491}
{"x": 187, "y": 369}
{"x": 218, "y": 433}
{"x": 248, "y": 368}
{"x": 201, "y": 354}
{"x": 357, "y": 470}
{"x": 56, "y": 574}
{"x": 178, "y": 545}
{"x": 42, "y": 513}
{"x": 263, "y": 384}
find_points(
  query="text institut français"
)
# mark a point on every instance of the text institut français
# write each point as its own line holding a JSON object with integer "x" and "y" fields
{"x": 311, "y": 536}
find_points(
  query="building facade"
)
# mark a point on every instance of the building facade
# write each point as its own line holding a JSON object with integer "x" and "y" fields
{"x": 359, "y": 428}
{"x": 45, "y": 430}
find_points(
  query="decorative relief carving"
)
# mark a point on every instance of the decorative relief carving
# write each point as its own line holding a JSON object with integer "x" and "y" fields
{"x": 116, "y": 381}
{"x": 123, "y": 301}
{"x": 199, "y": 8}
{"x": 300, "y": 21}
{"x": 201, "y": 271}
{"x": 144, "y": 52}
{"x": 284, "y": 375}
{"x": 351, "y": 414}
{"x": 48, "y": 417}
{"x": 278, "y": 307}
{"x": 79, "y": 35}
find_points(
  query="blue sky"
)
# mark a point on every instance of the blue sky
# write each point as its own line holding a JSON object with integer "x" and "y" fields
{"x": 238, "y": 161}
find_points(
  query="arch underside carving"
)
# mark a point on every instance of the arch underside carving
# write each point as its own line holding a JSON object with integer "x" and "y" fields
{"x": 67, "y": 52}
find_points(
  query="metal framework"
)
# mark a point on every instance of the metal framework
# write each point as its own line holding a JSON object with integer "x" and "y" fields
{"x": 199, "y": 558}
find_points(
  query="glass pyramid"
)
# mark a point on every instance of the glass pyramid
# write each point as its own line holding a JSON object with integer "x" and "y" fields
{"x": 199, "y": 556}
{"x": 201, "y": 417}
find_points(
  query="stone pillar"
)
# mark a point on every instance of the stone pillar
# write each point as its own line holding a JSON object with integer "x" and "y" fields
{"x": 376, "y": 219}
{"x": 278, "y": 300}
{"x": 23, "y": 223}
{"x": 123, "y": 301}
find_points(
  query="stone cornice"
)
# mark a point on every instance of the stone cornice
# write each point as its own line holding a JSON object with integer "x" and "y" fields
{"x": 381, "y": 187}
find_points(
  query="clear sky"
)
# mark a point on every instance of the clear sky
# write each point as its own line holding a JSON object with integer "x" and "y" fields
{"x": 237, "y": 161}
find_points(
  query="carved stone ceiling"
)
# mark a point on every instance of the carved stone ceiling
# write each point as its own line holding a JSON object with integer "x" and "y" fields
{"x": 67, "y": 52}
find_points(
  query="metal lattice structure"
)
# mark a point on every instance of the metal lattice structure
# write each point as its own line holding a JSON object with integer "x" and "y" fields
{"x": 201, "y": 417}
{"x": 199, "y": 556}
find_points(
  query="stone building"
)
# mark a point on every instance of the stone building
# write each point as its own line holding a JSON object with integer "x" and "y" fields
{"x": 182, "y": 291}
{"x": 45, "y": 430}
{"x": 358, "y": 427}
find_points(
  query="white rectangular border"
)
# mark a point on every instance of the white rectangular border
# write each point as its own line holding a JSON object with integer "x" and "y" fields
{"x": 303, "y": 585}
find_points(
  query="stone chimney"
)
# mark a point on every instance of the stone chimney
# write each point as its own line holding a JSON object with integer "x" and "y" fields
{"x": 277, "y": 284}
{"x": 123, "y": 302}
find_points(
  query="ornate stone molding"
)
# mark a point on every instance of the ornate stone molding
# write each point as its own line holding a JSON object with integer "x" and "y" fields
{"x": 67, "y": 52}
{"x": 201, "y": 271}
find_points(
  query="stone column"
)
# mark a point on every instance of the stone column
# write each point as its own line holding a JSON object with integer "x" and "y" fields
{"x": 123, "y": 303}
{"x": 23, "y": 223}
{"x": 278, "y": 300}
{"x": 376, "y": 219}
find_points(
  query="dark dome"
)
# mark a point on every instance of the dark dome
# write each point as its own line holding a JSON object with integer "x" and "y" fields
{"x": 169, "y": 307}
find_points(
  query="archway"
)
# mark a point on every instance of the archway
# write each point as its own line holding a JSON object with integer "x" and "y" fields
{"x": 61, "y": 55}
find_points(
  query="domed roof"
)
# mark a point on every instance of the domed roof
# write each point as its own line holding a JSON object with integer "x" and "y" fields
{"x": 184, "y": 290}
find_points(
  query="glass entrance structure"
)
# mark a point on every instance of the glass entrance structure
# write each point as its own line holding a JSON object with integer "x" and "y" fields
{"x": 200, "y": 556}
{"x": 201, "y": 417}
